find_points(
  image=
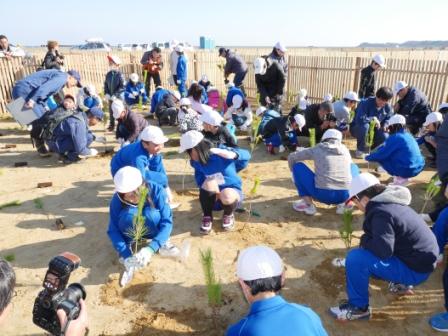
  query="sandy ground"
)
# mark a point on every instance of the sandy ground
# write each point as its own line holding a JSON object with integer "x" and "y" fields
{"x": 169, "y": 296}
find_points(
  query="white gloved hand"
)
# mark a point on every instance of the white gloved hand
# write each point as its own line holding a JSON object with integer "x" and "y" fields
{"x": 169, "y": 194}
{"x": 131, "y": 265}
{"x": 178, "y": 82}
{"x": 135, "y": 93}
{"x": 375, "y": 119}
{"x": 281, "y": 149}
{"x": 243, "y": 128}
{"x": 142, "y": 90}
{"x": 224, "y": 153}
{"x": 93, "y": 152}
{"x": 100, "y": 139}
{"x": 107, "y": 96}
{"x": 113, "y": 98}
{"x": 131, "y": 95}
{"x": 120, "y": 141}
{"x": 144, "y": 256}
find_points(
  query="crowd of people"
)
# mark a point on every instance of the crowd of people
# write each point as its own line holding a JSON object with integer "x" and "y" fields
{"x": 396, "y": 246}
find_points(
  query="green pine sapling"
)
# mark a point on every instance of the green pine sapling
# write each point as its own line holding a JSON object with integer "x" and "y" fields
{"x": 370, "y": 135}
{"x": 214, "y": 288}
{"x": 312, "y": 137}
{"x": 432, "y": 189}
{"x": 347, "y": 228}
{"x": 139, "y": 230}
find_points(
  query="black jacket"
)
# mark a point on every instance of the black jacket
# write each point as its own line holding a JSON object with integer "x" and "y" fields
{"x": 51, "y": 60}
{"x": 272, "y": 83}
{"x": 414, "y": 106}
{"x": 222, "y": 137}
{"x": 282, "y": 126}
{"x": 367, "y": 82}
{"x": 442, "y": 151}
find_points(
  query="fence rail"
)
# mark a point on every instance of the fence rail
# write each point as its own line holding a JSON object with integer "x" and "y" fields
{"x": 319, "y": 71}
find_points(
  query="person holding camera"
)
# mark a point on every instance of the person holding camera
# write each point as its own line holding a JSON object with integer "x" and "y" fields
{"x": 53, "y": 58}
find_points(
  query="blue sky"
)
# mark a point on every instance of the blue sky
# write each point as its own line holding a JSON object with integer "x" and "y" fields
{"x": 229, "y": 22}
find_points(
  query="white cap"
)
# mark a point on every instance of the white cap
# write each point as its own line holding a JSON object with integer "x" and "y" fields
{"x": 332, "y": 134}
{"x": 211, "y": 117}
{"x": 114, "y": 58}
{"x": 260, "y": 66}
{"x": 258, "y": 262}
{"x": 399, "y": 86}
{"x": 117, "y": 108}
{"x": 176, "y": 94}
{"x": 230, "y": 85}
{"x": 300, "y": 121}
{"x": 153, "y": 134}
{"x": 433, "y": 117}
{"x": 302, "y": 93}
{"x": 237, "y": 101}
{"x": 360, "y": 183}
{"x": 189, "y": 140}
{"x": 127, "y": 179}
{"x": 260, "y": 111}
{"x": 443, "y": 106}
{"x": 351, "y": 95}
{"x": 133, "y": 77}
{"x": 179, "y": 48}
{"x": 92, "y": 89}
{"x": 328, "y": 98}
{"x": 379, "y": 59}
{"x": 204, "y": 78}
{"x": 185, "y": 102}
{"x": 303, "y": 103}
{"x": 396, "y": 119}
{"x": 280, "y": 47}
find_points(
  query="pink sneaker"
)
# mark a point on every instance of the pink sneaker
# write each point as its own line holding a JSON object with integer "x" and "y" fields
{"x": 206, "y": 225}
{"x": 400, "y": 181}
{"x": 228, "y": 222}
{"x": 299, "y": 205}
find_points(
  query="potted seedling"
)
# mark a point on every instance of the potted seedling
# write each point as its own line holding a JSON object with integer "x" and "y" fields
{"x": 432, "y": 189}
{"x": 370, "y": 135}
{"x": 312, "y": 137}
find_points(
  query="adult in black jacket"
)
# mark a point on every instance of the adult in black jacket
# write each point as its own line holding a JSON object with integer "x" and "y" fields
{"x": 368, "y": 77}
{"x": 270, "y": 79}
{"x": 53, "y": 59}
{"x": 167, "y": 108}
{"x": 215, "y": 130}
{"x": 320, "y": 117}
{"x": 280, "y": 133}
{"x": 396, "y": 246}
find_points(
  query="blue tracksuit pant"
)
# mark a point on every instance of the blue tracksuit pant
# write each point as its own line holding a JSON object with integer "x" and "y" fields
{"x": 440, "y": 229}
{"x": 275, "y": 140}
{"x": 304, "y": 181}
{"x": 359, "y": 131}
{"x": 361, "y": 264}
{"x": 182, "y": 87}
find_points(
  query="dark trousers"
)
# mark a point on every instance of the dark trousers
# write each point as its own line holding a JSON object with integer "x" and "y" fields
{"x": 156, "y": 79}
{"x": 167, "y": 116}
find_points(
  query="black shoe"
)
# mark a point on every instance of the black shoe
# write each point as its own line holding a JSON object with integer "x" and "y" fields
{"x": 43, "y": 151}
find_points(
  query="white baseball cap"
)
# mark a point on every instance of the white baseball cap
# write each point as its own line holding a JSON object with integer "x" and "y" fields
{"x": 176, "y": 94}
{"x": 189, "y": 140}
{"x": 92, "y": 89}
{"x": 204, "y": 78}
{"x": 133, "y": 77}
{"x": 280, "y": 47}
{"x": 443, "y": 106}
{"x": 127, "y": 179}
{"x": 185, "y": 102}
{"x": 433, "y": 117}
{"x": 300, "y": 121}
{"x": 379, "y": 59}
{"x": 153, "y": 134}
{"x": 179, "y": 48}
{"x": 332, "y": 134}
{"x": 351, "y": 95}
{"x": 399, "y": 86}
{"x": 328, "y": 98}
{"x": 117, "y": 107}
{"x": 211, "y": 117}
{"x": 258, "y": 262}
{"x": 360, "y": 183}
{"x": 260, "y": 111}
{"x": 114, "y": 58}
{"x": 260, "y": 66}
{"x": 237, "y": 101}
{"x": 396, "y": 119}
{"x": 302, "y": 93}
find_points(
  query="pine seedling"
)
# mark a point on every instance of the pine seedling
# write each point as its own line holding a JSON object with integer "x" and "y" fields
{"x": 214, "y": 288}
{"x": 139, "y": 230}
{"x": 10, "y": 257}
{"x": 347, "y": 228}
{"x": 312, "y": 137}
{"x": 432, "y": 189}
{"x": 255, "y": 136}
{"x": 370, "y": 135}
{"x": 38, "y": 203}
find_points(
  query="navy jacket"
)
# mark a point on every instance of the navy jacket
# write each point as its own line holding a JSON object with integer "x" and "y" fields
{"x": 114, "y": 83}
{"x": 392, "y": 228}
{"x": 414, "y": 106}
{"x": 367, "y": 109}
{"x": 367, "y": 82}
{"x": 134, "y": 123}
{"x": 235, "y": 91}
{"x": 234, "y": 63}
{"x": 442, "y": 151}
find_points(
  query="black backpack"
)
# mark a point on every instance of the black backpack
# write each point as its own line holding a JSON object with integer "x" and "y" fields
{"x": 54, "y": 119}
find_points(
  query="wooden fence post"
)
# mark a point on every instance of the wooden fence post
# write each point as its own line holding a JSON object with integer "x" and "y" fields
{"x": 357, "y": 74}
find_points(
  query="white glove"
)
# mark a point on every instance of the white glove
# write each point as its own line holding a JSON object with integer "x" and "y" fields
{"x": 135, "y": 93}
{"x": 131, "y": 265}
{"x": 100, "y": 139}
{"x": 107, "y": 96}
{"x": 142, "y": 90}
{"x": 144, "y": 256}
{"x": 243, "y": 128}
{"x": 375, "y": 119}
{"x": 169, "y": 194}
{"x": 178, "y": 82}
{"x": 125, "y": 143}
{"x": 131, "y": 95}
{"x": 93, "y": 152}
{"x": 113, "y": 98}
{"x": 224, "y": 153}
{"x": 281, "y": 149}
{"x": 120, "y": 141}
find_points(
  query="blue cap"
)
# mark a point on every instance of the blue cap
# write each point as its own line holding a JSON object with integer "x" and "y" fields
{"x": 76, "y": 75}
{"x": 96, "y": 112}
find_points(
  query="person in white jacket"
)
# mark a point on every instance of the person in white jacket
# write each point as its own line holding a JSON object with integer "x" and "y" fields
{"x": 9, "y": 51}
{"x": 239, "y": 114}
{"x": 173, "y": 61}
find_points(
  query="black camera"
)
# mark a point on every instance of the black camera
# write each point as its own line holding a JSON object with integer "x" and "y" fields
{"x": 56, "y": 295}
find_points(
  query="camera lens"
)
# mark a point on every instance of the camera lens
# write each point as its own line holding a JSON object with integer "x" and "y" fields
{"x": 75, "y": 292}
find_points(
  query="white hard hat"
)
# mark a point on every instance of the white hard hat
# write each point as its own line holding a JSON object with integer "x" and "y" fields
{"x": 185, "y": 102}
{"x": 179, "y": 48}
{"x": 127, "y": 179}
{"x": 153, "y": 134}
{"x": 211, "y": 117}
{"x": 133, "y": 77}
{"x": 300, "y": 121}
{"x": 302, "y": 93}
{"x": 351, "y": 95}
{"x": 328, "y": 98}
{"x": 91, "y": 88}
{"x": 117, "y": 107}
{"x": 360, "y": 183}
{"x": 237, "y": 101}
{"x": 260, "y": 66}
{"x": 189, "y": 140}
{"x": 443, "y": 106}
{"x": 258, "y": 262}
{"x": 204, "y": 78}
{"x": 433, "y": 117}
{"x": 114, "y": 58}
{"x": 399, "y": 86}
{"x": 396, "y": 119}
{"x": 260, "y": 111}
{"x": 176, "y": 94}
{"x": 379, "y": 59}
{"x": 280, "y": 47}
{"x": 332, "y": 134}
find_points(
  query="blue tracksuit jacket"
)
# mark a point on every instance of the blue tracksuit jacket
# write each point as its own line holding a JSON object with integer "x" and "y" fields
{"x": 233, "y": 92}
{"x": 151, "y": 166}
{"x": 181, "y": 70}
{"x": 138, "y": 89}
{"x": 159, "y": 220}
{"x": 157, "y": 98}
{"x": 367, "y": 109}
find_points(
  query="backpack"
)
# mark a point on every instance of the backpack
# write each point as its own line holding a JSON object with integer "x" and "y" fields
{"x": 54, "y": 119}
{"x": 214, "y": 98}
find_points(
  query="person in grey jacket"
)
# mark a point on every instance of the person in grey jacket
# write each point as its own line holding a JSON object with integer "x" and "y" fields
{"x": 331, "y": 181}
{"x": 236, "y": 65}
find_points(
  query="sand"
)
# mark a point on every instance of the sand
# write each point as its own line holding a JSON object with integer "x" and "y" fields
{"x": 169, "y": 297}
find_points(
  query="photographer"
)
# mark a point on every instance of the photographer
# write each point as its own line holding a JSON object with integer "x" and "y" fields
{"x": 76, "y": 327}
{"x": 7, "y": 284}
{"x": 53, "y": 59}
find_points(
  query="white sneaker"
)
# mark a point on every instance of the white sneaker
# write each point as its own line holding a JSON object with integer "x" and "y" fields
{"x": 310, "y": 210}
{"x": 341, "y": 207}
{"x": 426, "y": 217}
{"x": 299, "y": 205}
{"x": 360, "y": 154}
{"x": 169, "y": 250}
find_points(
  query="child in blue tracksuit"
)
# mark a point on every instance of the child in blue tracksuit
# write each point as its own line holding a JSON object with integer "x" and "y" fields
{"x": 215, "y": 172}
{"x": 181, "y": 71}
{"x": 157, "y": 97}
{"x": 113, "y": 86}
{"x": 400, "y": 155}
{"x": 134, "y": 91}
{"x": 233, "y": 91}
